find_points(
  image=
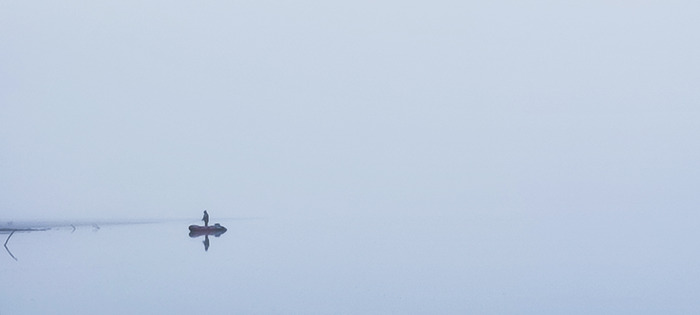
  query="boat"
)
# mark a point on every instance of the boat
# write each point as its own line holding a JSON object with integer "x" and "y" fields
{"x": 198, "y": 230}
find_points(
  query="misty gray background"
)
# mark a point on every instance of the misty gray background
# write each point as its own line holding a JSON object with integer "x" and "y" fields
{"x": 490, "y": 157}
{"x": 313, "y": 109}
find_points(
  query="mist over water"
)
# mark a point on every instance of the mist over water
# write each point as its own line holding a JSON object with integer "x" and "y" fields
{"x": 391, "y": 157}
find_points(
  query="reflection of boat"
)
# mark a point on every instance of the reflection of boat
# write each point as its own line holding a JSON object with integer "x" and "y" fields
{"x": 198, "y": 230}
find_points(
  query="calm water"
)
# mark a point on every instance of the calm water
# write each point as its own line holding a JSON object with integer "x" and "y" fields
{"x": 356, "y": 265}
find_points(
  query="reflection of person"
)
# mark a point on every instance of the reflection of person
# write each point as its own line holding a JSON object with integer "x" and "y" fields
{"x": 205, "y": 218}
{"x": 206, "y": 242}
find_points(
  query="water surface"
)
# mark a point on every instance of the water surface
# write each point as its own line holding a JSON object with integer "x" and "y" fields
{"x": 355, "y": 265}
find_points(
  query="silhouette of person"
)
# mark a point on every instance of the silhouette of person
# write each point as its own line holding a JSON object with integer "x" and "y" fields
{"x": 205, "y": 218}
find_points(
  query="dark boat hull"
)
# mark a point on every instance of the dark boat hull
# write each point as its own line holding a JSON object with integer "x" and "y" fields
{"x": 198, "y": 230}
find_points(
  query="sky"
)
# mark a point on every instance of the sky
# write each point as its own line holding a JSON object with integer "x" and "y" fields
{"x": 504, "y": 109}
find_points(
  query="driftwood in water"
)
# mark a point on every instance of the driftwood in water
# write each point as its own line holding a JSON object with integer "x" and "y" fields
{"x": 12, "y": 231}
{"x": 8, "y": 250}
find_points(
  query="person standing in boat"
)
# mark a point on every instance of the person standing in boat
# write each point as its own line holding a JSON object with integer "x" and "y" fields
{"x": 205, "y": 218}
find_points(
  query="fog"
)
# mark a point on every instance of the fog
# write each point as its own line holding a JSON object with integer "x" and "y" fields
{"x": 576, "y": 122}
{"x": 161, "y": 109}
